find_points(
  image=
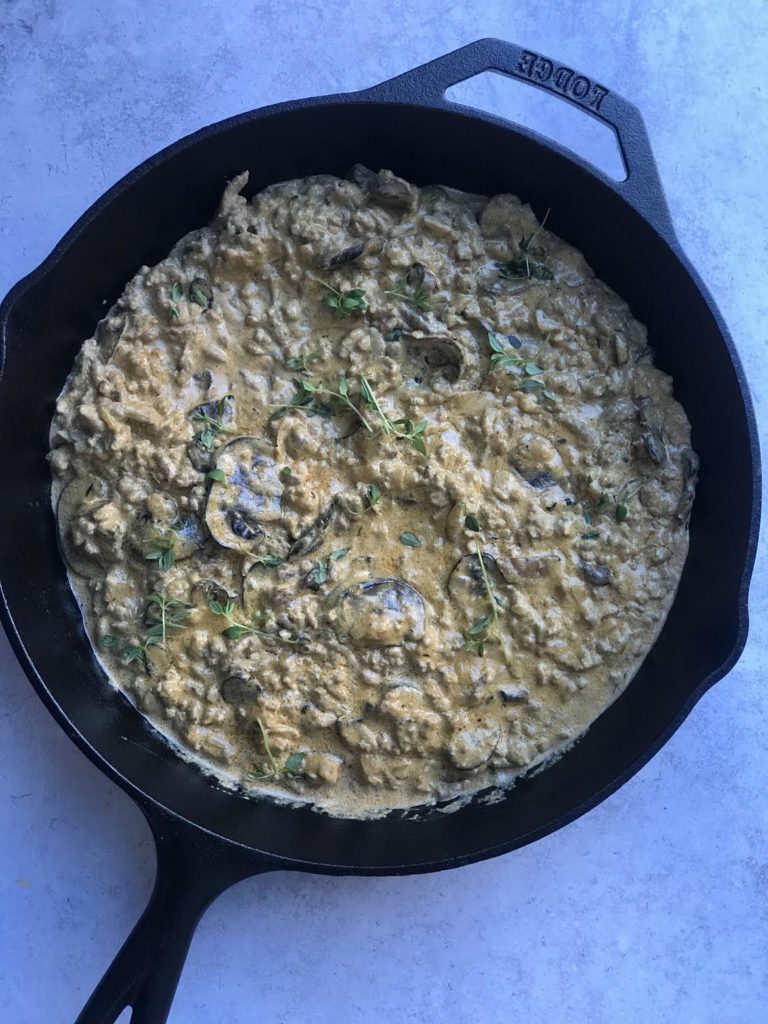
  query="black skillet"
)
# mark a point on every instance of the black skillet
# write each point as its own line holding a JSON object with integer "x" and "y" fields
{"x": 208, "y": 838}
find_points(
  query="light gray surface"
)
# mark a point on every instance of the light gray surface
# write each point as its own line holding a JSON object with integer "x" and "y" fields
{"x": 652, "y": 908}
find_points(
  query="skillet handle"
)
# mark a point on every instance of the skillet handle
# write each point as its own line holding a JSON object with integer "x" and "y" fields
{"x": 146, "y": 971}
{"x": 427, "y": 84}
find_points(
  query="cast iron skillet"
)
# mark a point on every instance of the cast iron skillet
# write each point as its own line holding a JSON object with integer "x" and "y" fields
{"x": 208, "y": 838}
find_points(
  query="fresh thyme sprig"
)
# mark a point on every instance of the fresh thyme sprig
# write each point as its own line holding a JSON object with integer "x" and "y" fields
{"x": 301, "y": 364}
{"x": 304, "y": 400}
{"x": 415, "y": 294}
{"x": 163, "y": 550}
{"x": 212, "y": 425}
{"x": 237, "y": 629}
{"x": 317, "y": 399}
{"x": 616, "y": 504}
{"x": 343, "y": 304}
{"x": 524, "y": 266}
{"x": 526, "y": 368}
{"x": 401, "y": 428}
{"x": 164, "y": 614}
{"x": 487, "y": 629}
{"x": 177, "y": 294}
{"x": 272, "y": 770}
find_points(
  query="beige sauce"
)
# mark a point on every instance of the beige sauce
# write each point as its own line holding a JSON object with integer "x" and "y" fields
{"x": 410, "y": 496}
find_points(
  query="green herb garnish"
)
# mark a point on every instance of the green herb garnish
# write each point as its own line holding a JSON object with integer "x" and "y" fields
{"x": 272, "y": 769}
{"x": 410, "y": 539}
{"x": 318, "y": 574}
{"x": 487, "y": 629}
{"x": 177, "y": 294}
{"x": 617, "y": 504}
{"x": 270, "y": 561}
{"x": 401, "y": 428}
{"x": 373, "y": 496}
{"x": 339, "y": 553}
{"x": 301, "y": 364}
{"x": 200, "y": 294}
{"x": 163, "y": 615}
{"x": 471, "y": 523}
{"x": 163, "y": 550}
{"x": 218, "y": 475}
{"x": 236, "y": 629}
{"x": 212, "y": 425}
{"x": 524, "y": 266}
{"x": 416, "y": 294}
{"x": 502, "y": 357}
{"x": 304, "y": 400}
{"x": 343, "y": 304}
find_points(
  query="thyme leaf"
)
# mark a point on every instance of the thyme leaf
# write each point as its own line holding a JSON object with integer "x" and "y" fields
{"x": 343, "y": 303}
{"x": 301, "y": 364}
{"x": 416, "y": 294}
{"x": 410, "y": 539}
{"x": 163, "y": 550}
{"x": 163, "y": 615}
{"x": 373, "y": 496}
{"x": 235, "y": 629}
{"x": 272, "y": 770}
{"x": 177, "y": 294}
{"x": 212, "y": 426}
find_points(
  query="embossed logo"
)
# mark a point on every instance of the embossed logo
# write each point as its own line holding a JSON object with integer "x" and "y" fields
{"x": 559, "y": 78}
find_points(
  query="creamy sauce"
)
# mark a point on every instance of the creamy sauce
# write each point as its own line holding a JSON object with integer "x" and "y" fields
{"x": 371, "y": 495}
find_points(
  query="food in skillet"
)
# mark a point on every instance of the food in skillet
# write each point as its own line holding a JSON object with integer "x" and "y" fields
{"x": 371, "y": 495}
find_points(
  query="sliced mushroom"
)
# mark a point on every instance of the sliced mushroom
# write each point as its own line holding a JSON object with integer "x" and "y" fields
{"x": 312, "y": 537}
{"x": 108, "y": 333}
{"x": 363, "y": 177}
{"x": 200, "y": 456}
{"x": 203, "y": 379}
{"x": 513, "y": 694}
{"x": 341, "y": 258}
{"x": 654, "y": 446}
{"x": 80, "y": 497}
{"x": 690, "y": 468}
{"x": 221, "y": 409}
{"x": 240, "y": 691}
{"x": 379, "y": 613}
{"x": 394, "y": 192}
{"x": 248, "y": 498}
{"x": 212, "y": 590}
{"x": 433, "y": 355}
{"x": 596, "y": 574}
{"x": 537, "y": 461}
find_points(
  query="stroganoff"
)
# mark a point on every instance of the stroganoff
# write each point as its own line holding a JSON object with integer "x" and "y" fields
{"x": 371, "y": 494}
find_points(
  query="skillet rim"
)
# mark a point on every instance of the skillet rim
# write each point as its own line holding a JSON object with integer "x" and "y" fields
{"x": 377, "y": 95}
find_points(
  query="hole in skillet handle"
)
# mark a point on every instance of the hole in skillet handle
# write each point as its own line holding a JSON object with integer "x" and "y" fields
{"x": 427, "y": 85}
{"x": 543, "y": 113}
